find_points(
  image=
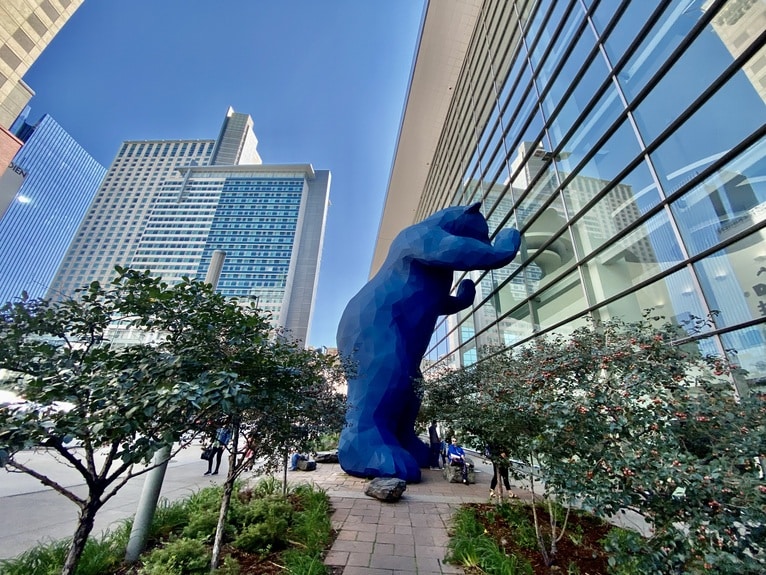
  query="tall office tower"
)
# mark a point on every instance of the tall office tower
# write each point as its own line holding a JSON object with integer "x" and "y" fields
{"x": 58, "y": 181}
{"x": 26, "y": 28}
{"x": 627, "y": 142}
{"x": 168, "y": 205}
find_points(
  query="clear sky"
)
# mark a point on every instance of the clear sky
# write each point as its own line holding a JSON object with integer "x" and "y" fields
{"x": 324, "y": 80}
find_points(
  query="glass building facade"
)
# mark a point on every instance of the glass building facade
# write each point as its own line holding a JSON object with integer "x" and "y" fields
{"x": 167, "y": 205}
{"x": 59, "y": 181}
{"x": 268, "y": 219}
{"x": 625, "y": 140}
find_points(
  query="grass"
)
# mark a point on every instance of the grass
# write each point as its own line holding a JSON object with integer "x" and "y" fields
{"x": 472, "y": 548}
{"x": 181, "y": 533}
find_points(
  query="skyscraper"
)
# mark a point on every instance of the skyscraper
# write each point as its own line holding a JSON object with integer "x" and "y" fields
{"x": 26, "y": 28}
{"x": 625, "y": 140}
{"x": 59, "y": 181}
{"x": 168, "y": 205}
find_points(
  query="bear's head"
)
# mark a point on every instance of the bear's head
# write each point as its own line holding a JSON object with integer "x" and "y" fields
{"x": 463, "y": 221}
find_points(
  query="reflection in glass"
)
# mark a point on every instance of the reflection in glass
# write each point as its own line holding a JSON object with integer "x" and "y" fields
{"x": 639, "y": 256}
{"x": 677, "y": 20}
{"x": 726, "y": 203}
{"x": 746, "y": 349}
{"x": 621, "y": 148}
{"x": 620, "y": 207}
{"x": 734, "y": 280}
{"x": 561, "y": 301}
{"x": 709, "y": 133}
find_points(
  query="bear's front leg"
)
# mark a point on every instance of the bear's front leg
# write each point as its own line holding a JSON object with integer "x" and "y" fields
{"x": 466, "y": 292}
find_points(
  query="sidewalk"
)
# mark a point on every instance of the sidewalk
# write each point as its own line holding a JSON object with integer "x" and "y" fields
{"x": 404, "y": 538}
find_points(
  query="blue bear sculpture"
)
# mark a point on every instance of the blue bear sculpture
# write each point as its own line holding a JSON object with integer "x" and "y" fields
{"x": 386, "y": 327}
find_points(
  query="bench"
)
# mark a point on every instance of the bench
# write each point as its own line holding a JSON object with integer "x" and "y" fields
{"x": 453, "y": 475}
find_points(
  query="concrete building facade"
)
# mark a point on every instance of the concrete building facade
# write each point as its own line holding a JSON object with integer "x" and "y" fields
{"x": 625, "y": 140}
{"x": 26, "y": 28}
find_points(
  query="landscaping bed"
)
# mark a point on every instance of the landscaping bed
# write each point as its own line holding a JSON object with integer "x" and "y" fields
{"x": 490, "y": 538}
{"x": 266, "y": 533}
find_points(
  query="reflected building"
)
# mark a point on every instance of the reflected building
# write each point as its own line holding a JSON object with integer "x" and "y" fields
{"x": 55, "y": 180}
{"x": 167, "y": 205}
{"x": 627, "y": 142}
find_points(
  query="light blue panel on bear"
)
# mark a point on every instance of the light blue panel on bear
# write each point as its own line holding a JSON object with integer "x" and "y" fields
{"x": 386, "y": 327}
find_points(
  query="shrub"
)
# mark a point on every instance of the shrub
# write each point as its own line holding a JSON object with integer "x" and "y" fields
{"x": 178, "y": 557}
{"x": 470, "y": 547}
{"x": 266, "y": 522}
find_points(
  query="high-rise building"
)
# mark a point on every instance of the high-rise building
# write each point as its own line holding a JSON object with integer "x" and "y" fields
{"x": 168, "y": 205}
{"x": 26, "y": 28}
{"x": 625, "y": 140}
{"x": 58, "y": 180}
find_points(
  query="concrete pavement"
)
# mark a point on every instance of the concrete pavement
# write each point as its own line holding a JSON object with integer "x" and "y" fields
{"x": 374, "y": 538}
{"x": 33, "y": 513}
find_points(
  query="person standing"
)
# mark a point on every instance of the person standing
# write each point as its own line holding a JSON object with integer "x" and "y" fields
{"x": 436, "y": 445}
{"x": 499, "y": 469}
{"x": 456, "y": 457}
{"x": 220, "y": 441}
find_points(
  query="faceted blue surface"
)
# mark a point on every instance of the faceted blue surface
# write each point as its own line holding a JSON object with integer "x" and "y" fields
{"x": 386, "y": 327}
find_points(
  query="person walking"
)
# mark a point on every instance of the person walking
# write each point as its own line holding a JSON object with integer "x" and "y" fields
{"x": 456, "y": 457}
{"x": 436, "y": 445}
{"x": 499, "y": 470}
{"x": 220, "y": 441}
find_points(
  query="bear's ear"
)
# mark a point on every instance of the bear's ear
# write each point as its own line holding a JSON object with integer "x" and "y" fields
{"x": 473, "y": 208}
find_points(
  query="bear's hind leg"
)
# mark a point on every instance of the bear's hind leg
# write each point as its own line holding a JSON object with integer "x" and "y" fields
{"x": 369, "y": 453}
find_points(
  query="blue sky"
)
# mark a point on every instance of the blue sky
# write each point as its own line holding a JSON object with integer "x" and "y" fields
{"x": 325, "y": 82}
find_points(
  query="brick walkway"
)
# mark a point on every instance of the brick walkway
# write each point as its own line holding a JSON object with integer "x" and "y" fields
{"x": 404, "y": 538}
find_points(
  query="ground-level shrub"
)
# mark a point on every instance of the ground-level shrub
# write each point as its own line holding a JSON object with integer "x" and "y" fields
{"x": 470, "y": 547}
{"x": 178, "y": 557}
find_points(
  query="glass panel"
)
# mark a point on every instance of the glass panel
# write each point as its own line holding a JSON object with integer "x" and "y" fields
{"x": 619, "y": 150}
{"x": 746, "y": 348}
{"x": 491, "y": 133}
{"x": 605, "y": 12}
{"x": 542, "y": 189}
{"x": 536, "y": 160}
{"x": 546, "y": 38}
{"x": 673, "y": 298}
{"x": 697, "y": 69}
{"x": 467, "y": 350}
{"x": 485, "y": 317}
{"x": 514, "y": 292}
{"x": 559, "y": 302}
{"x": 734, "y": 280}
{"x": 639, "y": 256}
{"x": 589, "y": 129}
{"x": 517, "y": 326}
{"x": 726, "y": 203}
{"x": 619, "y": 208}
{"x": 540, "y": 10}
{"x": 593, "y": 76}
{"x": 549, "y": 262}
{"x": 713, "y": 129}
{"x": 659, "y": 43}
{"x": 519, "y": 68}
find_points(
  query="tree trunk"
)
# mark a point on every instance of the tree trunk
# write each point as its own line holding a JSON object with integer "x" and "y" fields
{"x": 228, "y": 489}
{"x": 84, "y": 527}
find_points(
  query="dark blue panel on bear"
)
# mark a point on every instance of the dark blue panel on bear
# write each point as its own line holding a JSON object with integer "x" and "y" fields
{"x": 386, "y": 327}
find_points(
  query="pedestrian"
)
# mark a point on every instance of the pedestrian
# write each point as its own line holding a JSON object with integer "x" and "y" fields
{"x": 457, "y": 459}
{"x": 296, "y": 457}
{"x": 220, "y": 441}
{"x": 436, "y": 445}
{"x": 499, "y": 470}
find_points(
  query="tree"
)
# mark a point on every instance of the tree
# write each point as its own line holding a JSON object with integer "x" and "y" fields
{"x": 257, "y": 381}
{"x": 617, "y": 415}
{"x": 125, "y": 403}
